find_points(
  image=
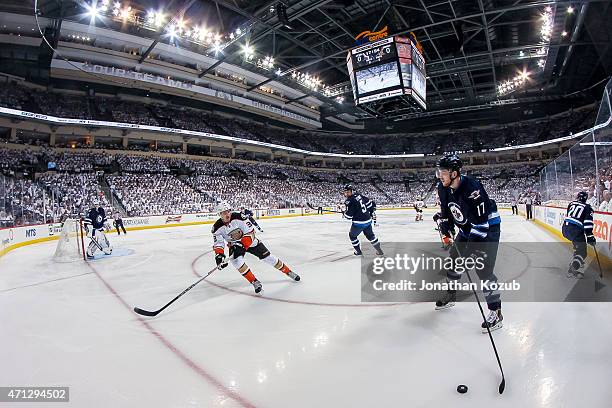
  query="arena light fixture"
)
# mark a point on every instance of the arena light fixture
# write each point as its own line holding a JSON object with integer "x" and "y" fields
{"x": 214, "y": 42}
{"x": 248, "y": 51}
{"x": 172, "y": 31}
{"x": 125, "y": 13}
{"x": 92, "y": 11}
{"x": 546, "y": 30}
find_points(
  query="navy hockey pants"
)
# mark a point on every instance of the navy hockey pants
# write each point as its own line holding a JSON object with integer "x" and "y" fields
{"x": 575, "y": 234}
{"x": 367, "y": 231}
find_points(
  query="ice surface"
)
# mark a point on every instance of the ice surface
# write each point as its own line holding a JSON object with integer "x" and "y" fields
{"x": 307, "y": 344}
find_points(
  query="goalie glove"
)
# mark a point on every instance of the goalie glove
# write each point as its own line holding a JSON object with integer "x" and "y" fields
{"x": 221, "y": 261}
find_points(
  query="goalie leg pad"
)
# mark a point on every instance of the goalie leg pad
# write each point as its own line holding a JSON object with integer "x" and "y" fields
{"x": 102, "y": 241}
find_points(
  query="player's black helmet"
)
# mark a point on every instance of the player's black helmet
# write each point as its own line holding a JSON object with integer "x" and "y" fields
{"x": 348, "y": 187}
{"x": 582, "y": 196}
{"x": 450, "y": 161}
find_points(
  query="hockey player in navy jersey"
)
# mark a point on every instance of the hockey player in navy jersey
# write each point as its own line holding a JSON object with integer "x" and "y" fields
{"x": 248, "y": 214}
{"x": 95, "y": 224}
{"x": 465, "y": 204}
{"x": 358, "y": 209}
{"x": 578, "y": 228}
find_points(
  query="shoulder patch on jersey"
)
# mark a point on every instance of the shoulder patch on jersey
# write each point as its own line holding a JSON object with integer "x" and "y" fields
{"x": 475, "y": 195}
{"x": 218, "y": 224}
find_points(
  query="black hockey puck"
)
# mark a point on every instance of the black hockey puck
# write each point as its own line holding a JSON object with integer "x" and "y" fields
{"x": 462, "y": 389}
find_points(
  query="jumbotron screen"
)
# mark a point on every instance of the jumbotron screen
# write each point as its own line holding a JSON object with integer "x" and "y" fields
{"x": 387, "y": 68}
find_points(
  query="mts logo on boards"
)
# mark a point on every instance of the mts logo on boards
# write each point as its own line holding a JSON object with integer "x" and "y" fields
{"x": 30, "y": 233}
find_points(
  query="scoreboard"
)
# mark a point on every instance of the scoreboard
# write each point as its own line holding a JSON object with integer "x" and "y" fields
{"x": 387, "y": 68}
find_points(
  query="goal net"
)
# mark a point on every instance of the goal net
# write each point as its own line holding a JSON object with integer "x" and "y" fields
{"x": 71, "y": 245}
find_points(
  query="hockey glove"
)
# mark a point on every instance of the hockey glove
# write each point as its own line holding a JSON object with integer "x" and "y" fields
{"x": 221, "y": 261}
{"x": 591, "y": 240}
{"x": 447, "y": 241}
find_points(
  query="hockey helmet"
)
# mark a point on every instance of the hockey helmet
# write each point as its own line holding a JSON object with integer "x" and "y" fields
{"x": 348, "y": 187}
{"x": 223, "y": 206}
{"x": 582, "y": 196}
{"x": 450, "y": 161}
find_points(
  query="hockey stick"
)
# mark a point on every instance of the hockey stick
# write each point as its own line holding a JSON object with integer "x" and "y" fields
{"x": 316, "y": 208}
{"x": 155, "y": 313}
{"x": 502, "y": 384}
{"x": 598, "y": 264}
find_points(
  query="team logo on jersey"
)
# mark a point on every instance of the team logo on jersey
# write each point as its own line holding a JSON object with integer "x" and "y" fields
{"x": 457, "y": 214}
{"x": 236, "y": 234}
{"x": 475, "y": 195}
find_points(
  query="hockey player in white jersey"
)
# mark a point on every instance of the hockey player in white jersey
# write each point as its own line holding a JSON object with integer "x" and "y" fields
{"x": 235, "y": 230}
{"x": 95, "y": 224}
{"x": 418, "y": 207}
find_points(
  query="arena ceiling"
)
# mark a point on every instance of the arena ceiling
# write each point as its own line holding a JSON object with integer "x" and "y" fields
{"x": 472, "y": 47}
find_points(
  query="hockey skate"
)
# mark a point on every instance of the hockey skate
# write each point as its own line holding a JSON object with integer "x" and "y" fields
{"x": 357, "y": 252}
{"x": 494, "y": 321}
{"x": 257, "y": 286}
{"x": 574, "y": 270}
{"x": 448, "y": 300}
{"x": 293, "y": 276}
{"x": 574, "y": 273}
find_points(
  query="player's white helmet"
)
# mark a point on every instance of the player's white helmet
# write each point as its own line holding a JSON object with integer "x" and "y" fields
{"x": 223, "y": 206}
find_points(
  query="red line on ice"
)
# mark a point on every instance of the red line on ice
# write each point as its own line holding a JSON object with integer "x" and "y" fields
{"x": 193, "y": 365}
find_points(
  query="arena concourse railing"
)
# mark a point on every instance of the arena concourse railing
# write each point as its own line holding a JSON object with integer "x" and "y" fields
{"x": 213, "y": 136}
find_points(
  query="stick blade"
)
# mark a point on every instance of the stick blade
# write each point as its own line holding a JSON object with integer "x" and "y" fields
{"x": 502, "y": 386}
{"x": 144, "y": 312}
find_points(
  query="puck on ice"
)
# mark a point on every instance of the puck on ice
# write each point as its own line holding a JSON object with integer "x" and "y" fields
{"x": 462, "y": 389}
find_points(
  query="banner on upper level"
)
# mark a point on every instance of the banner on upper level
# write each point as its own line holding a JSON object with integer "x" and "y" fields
{"x": 169, "y": 82}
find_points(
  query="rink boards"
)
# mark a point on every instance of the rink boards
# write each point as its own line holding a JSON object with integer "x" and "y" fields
{"x": 12, "y": 238}
{"x": 550, "y": 218}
